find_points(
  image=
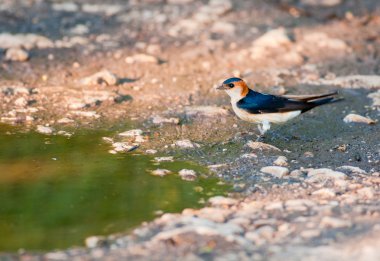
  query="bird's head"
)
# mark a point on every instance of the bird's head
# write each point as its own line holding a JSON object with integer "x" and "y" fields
{"x": 236, "y": 88}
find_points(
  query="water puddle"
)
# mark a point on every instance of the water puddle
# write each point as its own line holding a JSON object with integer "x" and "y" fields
{"x": 55, "y": 191}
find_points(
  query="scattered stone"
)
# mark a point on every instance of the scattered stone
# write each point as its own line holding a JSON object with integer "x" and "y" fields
{"x": 102, "y": 77}
{"x": 256, "y": 145}
{"x": 323, "y": 3}
{"x": 151, "y": 151}
{"x": 87, "y": 114}
{"x": 65, "y": 121}
{"x": 354, "y": 81}
{"x": 319, "y": 40}
{"x": 186, "y": 144}
{"x": 79, "y": 29}
{"x": 352, "y": 169}
{"x": 64, "y": 133}
{"x": 141, "y": 58}
{"x": 65, "y": 7}
{"x": 296, "y": 173}
{"x": 375, "y": 96}
{"x": 28, "y": 41}
{"x": 324, "y": 193}
{"x": 108, "y": 140}
{"x": 331, "y": 222}
{"x": 160, "y": 120}
{"x": 21, "y": 102}
{"x": 367, "y": 193}
{"x": 95, "y": 241}
{"x": 298, "y": 204}
{"x": 16, "y": 54}
{"x": 215, "y": 214}
{"x": 107, "y": 9}
{"x": 261, "y": 235}
{"x": 160, "y": 172}
{"x": 206, "y": 111}
{"x": 188, "y": 174}
{"x": 323, "y": 174}
{"x": 131, "y": 133}
{"x": 164, "y": 159}
{"x": 123, "y": 147}
{"x": 223, "y": 28}
{"x": 219, "y": 201}
{"x": 44, "y": 129}
{"x": 278, "y": 172}
{"x": 278, "y": 205}
{"x": 358, "y": 119}
{"x": 281, "y": 161}
{"x": 310, "y": 233}
{"x": 273, "y": 39}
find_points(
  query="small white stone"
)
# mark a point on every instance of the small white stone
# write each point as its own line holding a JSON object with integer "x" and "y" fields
{"x": 16, "y": 54}
{"x": 358, "y": 119}
{"x": 334, "y": 222}
{"x": 367, "y": 193}
{"x": 104, "y": 76}
{"x": 94, "y": 241}
{"x": 186, "y": 144}
{"x": 160, "y": 172}
{"x": 65, "y": 121}
{"x": 188, "y": 174}
{"x": 281, "y": 161}
{"x": 323, "y": 174}
{"x": 276, "y": 171}
{"x": 131, "y": 133}
{"x": 324, "y": 193}
{"x": 255, "y": 145}
{"x": 160, "y": 120}
{"x": 44, "y": 129}
{"x": 141, "y": 58}
{"x": 151, "y": 151}
{"x": 222, "y": 201}
{"x": 164, "y": 159}
{"x": 21, "y": 102}
{"x": 353, "y": 169}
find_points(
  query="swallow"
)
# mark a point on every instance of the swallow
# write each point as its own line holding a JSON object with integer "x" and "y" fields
{"x": 265, "y": 109}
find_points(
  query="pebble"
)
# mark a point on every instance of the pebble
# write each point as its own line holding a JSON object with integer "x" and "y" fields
{"x": 310, "y": 233}
{"x": 160, "y": 120}
{"x": 160, "y": 172}
{"x": 16, "y": 54}
{"x": 375, "y": 96}
{"x": 65, "y": 121}
{"x": 281, "y": 161}
{"x": 87, "y": 114}
{"x": 256, "y": 145}
{"x": 131, "y": 133}
{"x": 320, "y": 175}
{"x": 101, "y": 77}
{"x": 206, "y": 111}
{"x": 332, "y": 222}
{"x": 151, "y": 151}
{"x": 44, "y": 129}
{"x": 186, "y": 144}
{"x": 141, "y": 58}
{"x": 219, "y": 201}
{"x": 123, "y": 147}
{"x": 352, "y": 169}
{"x": 298, "y": 204}
{"x": 296, "y": 173}
{"x": 187, "y": 174}
{"x": 95, "y": 241}
{"x": 65, "y": 7}
{"x": 164, "y": 159}
{"x": 28, "y": 41}
{"x": 367, "y": 193}
{"x": 358, "y": 119}
{"x": 324, "y": 193}
{"x": 276, "y": 171}
{"x": 21, "y": 102}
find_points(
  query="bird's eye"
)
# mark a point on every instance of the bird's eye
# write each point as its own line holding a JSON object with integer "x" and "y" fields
{"x": 231, "y": 85}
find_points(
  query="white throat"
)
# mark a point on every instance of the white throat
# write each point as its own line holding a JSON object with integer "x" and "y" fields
{"x": 235, "y": 94}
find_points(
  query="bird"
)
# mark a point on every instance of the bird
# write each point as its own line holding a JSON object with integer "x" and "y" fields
{"x": 264, "y": 109}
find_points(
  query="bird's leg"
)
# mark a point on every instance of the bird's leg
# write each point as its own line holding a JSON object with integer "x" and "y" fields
{"x": 263, "y": 129}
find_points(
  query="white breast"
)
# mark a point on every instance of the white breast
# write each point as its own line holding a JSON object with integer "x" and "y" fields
{"x": 278, "y": 117}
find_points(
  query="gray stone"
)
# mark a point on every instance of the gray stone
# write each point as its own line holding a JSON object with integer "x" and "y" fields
{"x": 276, "y": 171}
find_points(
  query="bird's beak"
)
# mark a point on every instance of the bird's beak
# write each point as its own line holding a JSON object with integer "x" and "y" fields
{"x": 221, "y": 87}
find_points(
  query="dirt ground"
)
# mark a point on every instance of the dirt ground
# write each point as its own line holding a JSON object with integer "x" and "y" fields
{"x": 158, "y": 63}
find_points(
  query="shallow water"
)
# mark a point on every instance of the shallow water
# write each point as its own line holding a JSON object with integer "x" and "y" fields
{"x": 55, "y": 191}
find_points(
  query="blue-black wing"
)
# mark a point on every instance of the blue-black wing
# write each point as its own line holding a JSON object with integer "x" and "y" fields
{"x": 256, "y": 102}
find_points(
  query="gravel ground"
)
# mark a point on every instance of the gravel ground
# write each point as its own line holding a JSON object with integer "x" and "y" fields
{"x": 309, "y": 191}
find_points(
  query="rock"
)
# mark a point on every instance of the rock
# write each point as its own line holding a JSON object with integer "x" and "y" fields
{"x": 164, "y": 159}
{"x": 21, "y": 102}
{"x": 276, "y": 171}
{"x": 207, "y": 111}
{"x": 324, "y": 193}
{"x": 298, "y": 204}
{"x": 357, "y": 119}
{"x": 101, "y": 77}
{"x": 131, "y": 133}
{"x": 188, "y": 174}
{"x": 296, "y": 173}
{"x": 65, "y": 121}
{"x": 318, "y": 40}
{"x": 323, "y": 174}
{"x": 260, "y": 235}
{"x": 160, "y": 120}
{"x": 281, "y": 161}
{"x": 331, "y": 222}
{"x": 354, "y": 81}
{"x": 107, "y": 9}
{"x": 215, "y": 214}
{"x": 352, "y": 169}
{"x": 141, "y": 58}
{"x": 123, "y": 147}
{"x": 322, "y": 3}
{"x": 160, "y": 172}
{"x": 95, "y": 241}
{"x": 28, "y": 41}
{"x": 44, "y": 129}
{"x": 16, "y": 54}
{"x": 367, "y": 193}
{"x": 151, "y": 151}
{"x": 256, "y": 145}
{"x": 219, "y": 201}
{"x": 79, "y": 29}
{"x": 87, "y": 114}
{"x": 186, "y": 144}
{"x": 220, "y": 27}
{"x": 65, "y": 7}
{"x": 274, "y": 206}
{"x": 375, "y": 96}
{"x": 273, "y": 39}
{"x": 310, "y": 233}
